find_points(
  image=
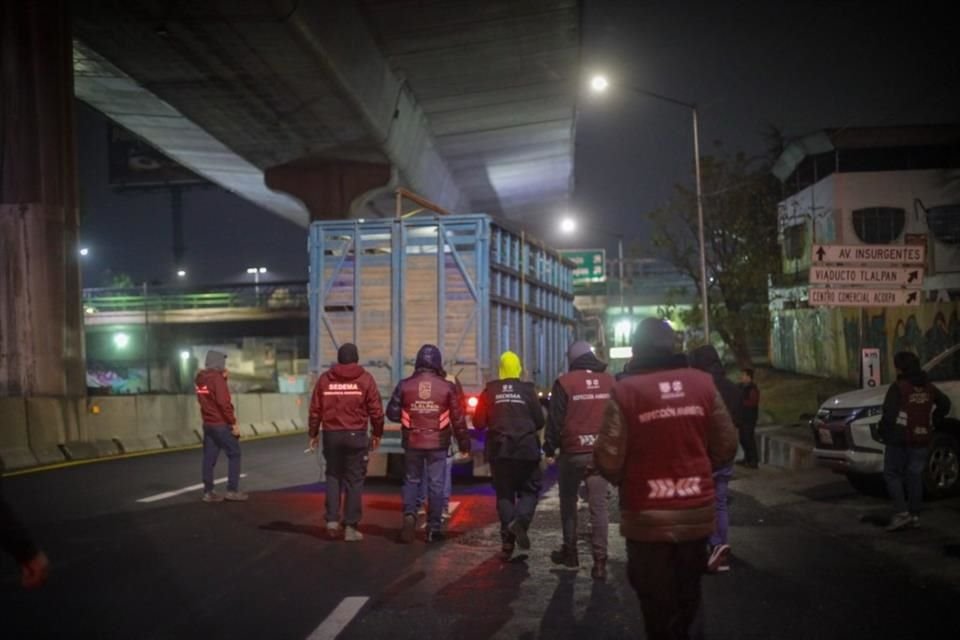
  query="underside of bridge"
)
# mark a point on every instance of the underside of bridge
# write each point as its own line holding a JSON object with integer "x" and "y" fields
{"x": 471, "y": 104}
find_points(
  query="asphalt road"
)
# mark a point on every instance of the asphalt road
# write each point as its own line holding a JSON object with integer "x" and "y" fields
{"x": 810, "y": 561}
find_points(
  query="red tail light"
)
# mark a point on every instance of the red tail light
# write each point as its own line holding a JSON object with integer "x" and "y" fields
{"x": 472, "y": 402}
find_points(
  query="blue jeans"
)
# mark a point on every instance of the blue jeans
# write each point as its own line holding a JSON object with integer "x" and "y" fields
{"x": 721, "y": 478}
{"x": 215, "y": 438}
{"x": 424, "y": 465}
{"x": 904, "y": 465}
{"x": 447, "y": 485}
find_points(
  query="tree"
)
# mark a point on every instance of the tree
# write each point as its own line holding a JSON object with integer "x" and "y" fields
{"x": 740, "y": 232}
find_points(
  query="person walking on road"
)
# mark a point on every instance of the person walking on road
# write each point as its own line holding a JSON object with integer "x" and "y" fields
{"x": 345, "y": 399}
{"x": 427, "y": 406}
{"x": 748, "y": 415}
{"x": 912, "y": 409}
{"x": 15, "y": 540}
{"x": 664, "y": 430}
{"x": 573, "y": 422}
{"x": 510, "y": 410}
{"x": 706, "y": 358}
{"x": 220, "y": 431}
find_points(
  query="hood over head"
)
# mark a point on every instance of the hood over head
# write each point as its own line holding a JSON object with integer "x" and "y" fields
{"x": 429, "y": 357}
{"x": 215, "y": 360}
{"x": 510, "y": 366}
{"x": 348, "y": 353}
{"x": 654, "y": 336}
{"x": 908, "y": 367}
{"x": 348, "y": 371}
{"x": 581, "y": 357}
{"x": 707, "y": 359}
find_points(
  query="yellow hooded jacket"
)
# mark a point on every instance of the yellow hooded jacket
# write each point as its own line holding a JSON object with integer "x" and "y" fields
{"x": 510, "y": 366}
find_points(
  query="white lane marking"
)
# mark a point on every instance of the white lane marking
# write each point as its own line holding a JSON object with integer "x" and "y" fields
{"x": 339, "y": 618}
{"x": 193, "y": 487}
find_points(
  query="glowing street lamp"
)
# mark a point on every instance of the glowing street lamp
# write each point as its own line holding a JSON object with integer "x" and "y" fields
{"x": 181, "y": 273}
{"x": 84, "y": 251}
{"x": 599, "y": 84}
{"x": 568, "y": 225}
{"x": 121, "y": 340}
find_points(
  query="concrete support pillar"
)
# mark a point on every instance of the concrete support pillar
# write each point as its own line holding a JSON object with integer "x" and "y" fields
{"x": 329, "y": 189}
{"x": 41, "y": 321}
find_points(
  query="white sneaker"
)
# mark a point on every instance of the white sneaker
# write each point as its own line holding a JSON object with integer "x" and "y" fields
{"x": 351, "y": 534}
{"x": 210, "y": 496}
{"x": 899, "y": 521}
{"x": 333, "y": 530}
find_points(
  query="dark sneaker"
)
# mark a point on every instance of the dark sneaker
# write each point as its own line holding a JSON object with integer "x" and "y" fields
{"x": 519, "y": 530}
{"x": 210, "y": 496}
{"x": 719, "y": 560}
{"x": 436, "y": 536}
{"x": 599, "y": 570}
{"x": 506, "y": 550}
{"x": 566, "y": 556}
{"x": 236, "y": 496}
{"x": 408, "y": 532}
{"x": 899, "y": 521}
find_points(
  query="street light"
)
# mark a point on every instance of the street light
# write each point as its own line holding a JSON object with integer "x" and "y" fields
{"x": 256, "y": 271}
{"x": 181, "y": 273}
{"x": 568, "y": 225}
{"x": 599, "y": 84}
{"x": 84, "y": 251}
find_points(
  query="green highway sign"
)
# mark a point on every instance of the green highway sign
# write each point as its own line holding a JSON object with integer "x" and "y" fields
{"x": 590, "y": 265}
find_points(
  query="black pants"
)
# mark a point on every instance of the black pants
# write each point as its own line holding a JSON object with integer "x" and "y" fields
{"x": 666, "y": 577}
{"x": 345, "y": 453}
{"x": 517, "y": 485}
{"x": 748, "y": 441}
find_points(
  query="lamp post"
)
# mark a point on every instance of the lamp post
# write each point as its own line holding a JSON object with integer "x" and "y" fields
{"x": 569, "y": 225}
{"x": 599, "y": 84}
{"x": 256, "y": 271}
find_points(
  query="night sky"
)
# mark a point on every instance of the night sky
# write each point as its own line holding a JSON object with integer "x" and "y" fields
{"x": 748, "y": 65}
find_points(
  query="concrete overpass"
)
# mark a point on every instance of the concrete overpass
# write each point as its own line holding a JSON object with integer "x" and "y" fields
{"x": 469, "y": 104}
{"x": 309, "y": 108}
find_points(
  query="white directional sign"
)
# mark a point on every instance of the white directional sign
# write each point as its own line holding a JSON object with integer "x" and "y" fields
{"x": 868, "y": 254}
{"x": 863, "y": 297}
{"x": 883, "y": 276}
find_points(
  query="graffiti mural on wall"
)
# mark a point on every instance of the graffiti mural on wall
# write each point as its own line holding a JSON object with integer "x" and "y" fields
{"x": 828, "y": 341}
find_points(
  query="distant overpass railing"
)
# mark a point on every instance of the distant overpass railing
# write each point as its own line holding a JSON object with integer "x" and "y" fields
{"x": 269, "y": 295}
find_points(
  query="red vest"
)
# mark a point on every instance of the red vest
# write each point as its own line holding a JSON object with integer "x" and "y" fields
{"x": 667, "y": 416}
{"x": 426, "y": 399}
{"x": 916, "y": 406}
{"x": 587, "y": 395}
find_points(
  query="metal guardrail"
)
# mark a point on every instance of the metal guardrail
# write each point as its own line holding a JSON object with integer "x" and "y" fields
{"x": 272, "y": 295}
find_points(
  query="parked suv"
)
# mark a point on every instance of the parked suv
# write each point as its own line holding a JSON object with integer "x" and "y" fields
{"x": 845, "y": 433}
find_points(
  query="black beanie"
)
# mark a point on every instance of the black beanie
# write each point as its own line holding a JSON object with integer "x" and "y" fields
{"x": 348, "y": 354}
{"x": 654, "y": 334}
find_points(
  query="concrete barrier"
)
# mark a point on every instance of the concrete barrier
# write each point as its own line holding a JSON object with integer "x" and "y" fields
{"x": 46, "y": 428}
{"x": 174, "y": 419}
{"x": 87, "y": 449}
{"x": 15, "y": 450}
{"x": 116, "y": 418}
{"x": 248, "y": 408}
{"x": 785, "y": 447}
{"x": 265, "y": 428}
{"x": 246, "y": 429}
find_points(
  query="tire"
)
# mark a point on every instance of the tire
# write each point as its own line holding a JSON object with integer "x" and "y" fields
{"x": 941, "y": 476}
{"x": 869, "y": 484}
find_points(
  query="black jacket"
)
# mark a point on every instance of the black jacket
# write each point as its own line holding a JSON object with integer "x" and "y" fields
{"x": 707, "y": 359}
{"x": 557, "y": 414}
{"x": 510, "y": 410}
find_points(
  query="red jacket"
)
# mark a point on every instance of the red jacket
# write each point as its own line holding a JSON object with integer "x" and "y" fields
{"x": 587, "y": 393}
{"x": 344, "y": 399}
{"x": 216, "y": 407}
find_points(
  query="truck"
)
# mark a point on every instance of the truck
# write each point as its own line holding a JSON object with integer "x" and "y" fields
{"x": 472, "y": 285}
{"x": 845, "y": 432}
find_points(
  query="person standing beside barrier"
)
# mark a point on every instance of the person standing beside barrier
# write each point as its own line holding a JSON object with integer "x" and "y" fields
{"x": 220, "y": 431}
{"x": 664, "y": 430}
{"x": 345, "y": 399}
{"x": 573, "y": 422}
{"x": 427, "y": 407}
{"x": 510, "y": 409}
